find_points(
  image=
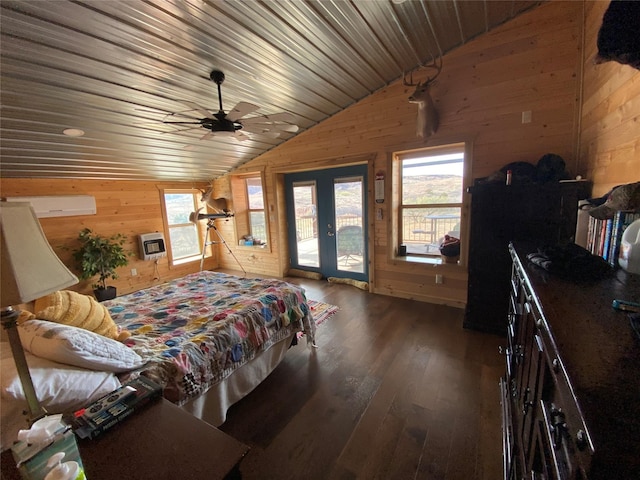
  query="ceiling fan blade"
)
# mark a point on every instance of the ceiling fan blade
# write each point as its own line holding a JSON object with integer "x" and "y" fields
{"x": 285, "y": 128}
{"x": 240, "y": 110}
{"x": 185, "y": 129}
{"x": 203, "y": 111}
{"x": 207, "y": 136}
{"x": 241, "y": 136}
{"x": 149, "y": 110}
{"x": 271, "y": 134}
{"x": 261, "y": 130}
{"x": 276, "y": 117}
{"x": 270, "y": 127}
{"x": 182, "y": 117}
{"x": 146, "y": 124}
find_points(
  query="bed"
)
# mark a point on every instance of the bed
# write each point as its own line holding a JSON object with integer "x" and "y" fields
{"x": 207, "y": 338}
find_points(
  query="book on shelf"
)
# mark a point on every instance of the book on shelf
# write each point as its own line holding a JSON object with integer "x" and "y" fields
{"x": 604, "y": 236}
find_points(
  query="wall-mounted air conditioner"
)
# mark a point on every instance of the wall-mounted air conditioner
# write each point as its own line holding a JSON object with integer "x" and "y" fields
{"x": 60, "y": 205}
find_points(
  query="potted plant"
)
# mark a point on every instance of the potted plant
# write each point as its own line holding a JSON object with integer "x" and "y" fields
{"x": 98, "y": 255}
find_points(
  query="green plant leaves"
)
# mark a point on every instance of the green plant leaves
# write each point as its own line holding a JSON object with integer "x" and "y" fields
{"x": 100, "y": 256}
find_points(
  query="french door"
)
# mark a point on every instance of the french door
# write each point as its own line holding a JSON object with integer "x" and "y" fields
{"x": 326, "y": 214}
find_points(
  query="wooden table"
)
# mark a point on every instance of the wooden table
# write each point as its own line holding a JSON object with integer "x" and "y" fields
{"x": 160, "y": 441}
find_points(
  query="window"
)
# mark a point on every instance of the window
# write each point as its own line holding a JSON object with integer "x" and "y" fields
{"x": 184, "y": 237}
{"x": 255, "y": 208}
{"x": 430, "y": 197}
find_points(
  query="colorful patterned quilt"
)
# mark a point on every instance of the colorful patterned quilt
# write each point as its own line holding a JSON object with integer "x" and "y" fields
{"x": 196, "y": 330}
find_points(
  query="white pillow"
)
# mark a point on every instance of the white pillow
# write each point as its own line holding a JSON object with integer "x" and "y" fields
{"x": 59, "y": 388}
{"x": 77, "y": 346}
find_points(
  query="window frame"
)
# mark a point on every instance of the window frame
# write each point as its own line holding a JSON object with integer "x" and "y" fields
{"x": 201, "y": 232}
{"x": 242, "y": 212}
{"x": 250, "y": 210}
{"x": 398, "y": 207}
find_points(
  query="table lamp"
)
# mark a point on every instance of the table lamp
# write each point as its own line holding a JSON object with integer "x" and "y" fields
{"x": 30, "y": 269}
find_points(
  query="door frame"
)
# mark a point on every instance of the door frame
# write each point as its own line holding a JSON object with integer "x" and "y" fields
{"x": 325, "y": 178}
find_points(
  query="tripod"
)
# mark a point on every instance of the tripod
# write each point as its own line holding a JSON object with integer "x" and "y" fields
{"x": 211, "y": 224}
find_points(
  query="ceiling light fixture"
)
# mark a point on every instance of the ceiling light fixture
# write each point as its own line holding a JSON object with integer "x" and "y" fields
{"x": 73, "y": 132}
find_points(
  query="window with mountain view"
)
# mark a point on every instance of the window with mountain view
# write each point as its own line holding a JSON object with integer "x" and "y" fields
{"x": 255, "y": 204}
{"x": 184, "y": 236}
{"x": 430, "y": 197}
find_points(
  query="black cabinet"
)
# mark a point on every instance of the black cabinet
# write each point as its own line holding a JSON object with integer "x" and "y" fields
{"x": 541, "y": 214}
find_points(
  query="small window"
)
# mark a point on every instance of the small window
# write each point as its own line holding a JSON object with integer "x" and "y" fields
{"x": 255, "y": 204}
{"x": 184, "y": 237}
{"x": 431, "y": 190}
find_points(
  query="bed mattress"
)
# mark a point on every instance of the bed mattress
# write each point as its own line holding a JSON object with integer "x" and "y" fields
{"x": 195, "y": 331}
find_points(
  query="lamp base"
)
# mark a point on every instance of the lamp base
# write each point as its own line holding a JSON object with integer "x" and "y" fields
{"x": 9, "y": 319}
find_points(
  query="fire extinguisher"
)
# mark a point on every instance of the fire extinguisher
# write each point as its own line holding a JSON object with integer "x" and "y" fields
{"x": 379, "y": 188}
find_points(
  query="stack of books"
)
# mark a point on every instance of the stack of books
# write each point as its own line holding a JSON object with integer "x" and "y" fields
{"x": 603, "y": 236}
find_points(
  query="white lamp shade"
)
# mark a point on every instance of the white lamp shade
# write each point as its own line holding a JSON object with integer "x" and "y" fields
{"x": 30, "y": 267}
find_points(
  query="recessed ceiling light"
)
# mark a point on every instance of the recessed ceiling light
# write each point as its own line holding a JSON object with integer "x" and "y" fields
{"x": 73, "y": 132}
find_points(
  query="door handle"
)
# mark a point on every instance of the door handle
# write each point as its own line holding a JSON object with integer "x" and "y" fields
{"x": 329, "y": 232}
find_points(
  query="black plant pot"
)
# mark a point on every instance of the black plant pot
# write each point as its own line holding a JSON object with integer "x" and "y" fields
{"x": 103, "y": 294}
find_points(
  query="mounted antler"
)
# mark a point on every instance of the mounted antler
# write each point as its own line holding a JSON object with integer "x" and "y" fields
{"x": 219, "y": 205}
{"x": 428, "y": 119}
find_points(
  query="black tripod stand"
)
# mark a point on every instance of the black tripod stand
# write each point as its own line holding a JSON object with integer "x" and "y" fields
{"x": 211, "y": 225}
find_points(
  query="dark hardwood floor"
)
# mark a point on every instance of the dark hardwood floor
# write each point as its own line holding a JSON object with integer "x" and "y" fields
{"x": 396, "y": 390}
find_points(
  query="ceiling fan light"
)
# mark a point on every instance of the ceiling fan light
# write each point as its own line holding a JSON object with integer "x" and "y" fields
{"x": 73, "y": 132}
{"x": 224, "y": 133}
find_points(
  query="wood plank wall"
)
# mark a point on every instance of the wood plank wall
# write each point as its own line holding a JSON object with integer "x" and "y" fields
{"x": 531, "y": 63}
{"x": 610, "y": 127}
{"x": 534, "y": 62}
{"x": 127, "y": 207}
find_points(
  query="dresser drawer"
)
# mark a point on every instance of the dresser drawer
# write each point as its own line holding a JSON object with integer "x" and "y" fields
{"x": 560, "y": 412}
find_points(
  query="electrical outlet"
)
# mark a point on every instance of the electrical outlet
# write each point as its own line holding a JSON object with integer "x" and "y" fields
{"x": 134, "y": 272}
{"x": 439, "y": 279}
{"x": 526, "y": 116}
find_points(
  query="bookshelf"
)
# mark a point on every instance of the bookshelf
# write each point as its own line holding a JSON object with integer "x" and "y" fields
{"x": 603, "y": 236}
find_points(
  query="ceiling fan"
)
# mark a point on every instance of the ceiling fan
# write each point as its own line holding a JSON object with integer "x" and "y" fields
{"x": 231, "y": 124}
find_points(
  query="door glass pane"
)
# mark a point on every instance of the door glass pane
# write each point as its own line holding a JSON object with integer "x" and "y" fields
{"x": 348, "y": 196}
{"x": 305, "y": 205}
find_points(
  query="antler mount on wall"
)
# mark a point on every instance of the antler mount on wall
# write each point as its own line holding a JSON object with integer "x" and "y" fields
{"x": 428, "y": 119}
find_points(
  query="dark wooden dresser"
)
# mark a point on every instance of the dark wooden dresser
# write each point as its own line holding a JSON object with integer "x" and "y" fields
{"x": 571, "y": 393}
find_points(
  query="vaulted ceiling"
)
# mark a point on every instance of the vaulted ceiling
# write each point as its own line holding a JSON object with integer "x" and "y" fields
{"x": 118, "y": 70}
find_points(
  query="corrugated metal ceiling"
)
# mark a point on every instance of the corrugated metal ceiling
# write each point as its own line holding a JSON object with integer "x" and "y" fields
{"x": 116, "y": 69}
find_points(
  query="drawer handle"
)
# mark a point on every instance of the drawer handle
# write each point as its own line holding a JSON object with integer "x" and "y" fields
{"x": 581, "y": 440}
{"x": 526, "y": 404}
{"x": 558, "y": 426}
{"x": 549, "y": 420}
